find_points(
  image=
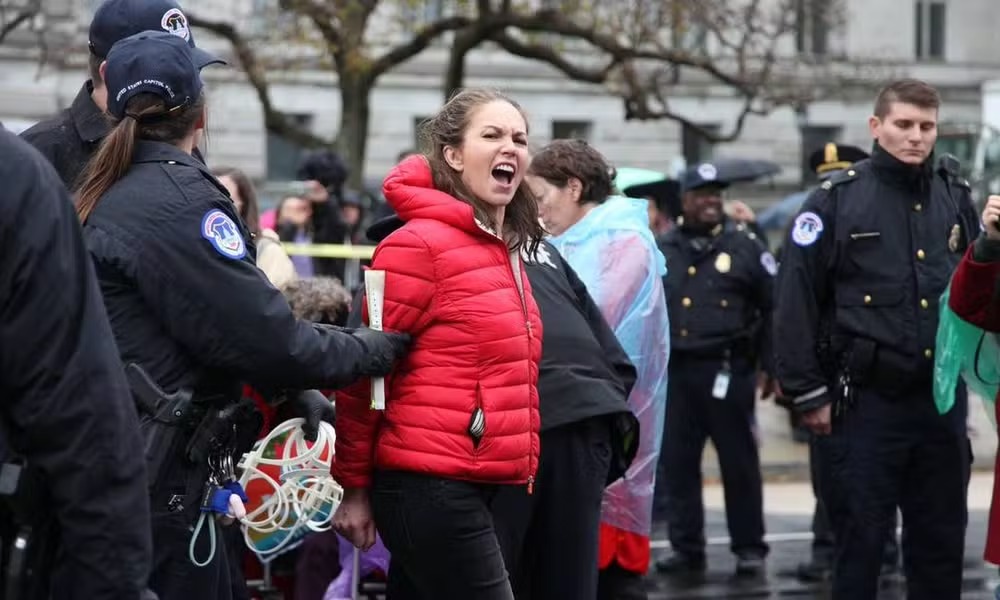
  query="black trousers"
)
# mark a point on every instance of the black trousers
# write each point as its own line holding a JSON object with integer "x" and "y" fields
{"x": 897, "y": 451}
{"x": 550, "y": 538}
{"x": 441, "y": 536}
{"x": 174, "y": 576}
{"x": 693, "y": 416}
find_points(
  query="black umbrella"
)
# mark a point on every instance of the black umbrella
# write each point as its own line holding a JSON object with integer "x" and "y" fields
{"x": 736, "y": 170}
{"x": 643, "y": 183}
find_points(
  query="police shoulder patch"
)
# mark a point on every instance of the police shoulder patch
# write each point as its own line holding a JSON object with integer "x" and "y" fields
{"x": 223, "y": 234}
{"x": 807, "y": 229}
{"x": 770, "y": 265}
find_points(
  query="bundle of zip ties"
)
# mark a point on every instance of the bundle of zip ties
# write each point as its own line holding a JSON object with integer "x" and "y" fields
{"x": 304, "y": 496}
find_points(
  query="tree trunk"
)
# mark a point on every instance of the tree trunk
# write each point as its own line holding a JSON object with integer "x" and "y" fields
{"x": 352, "y": 137}
{"x": 465, "y": 41}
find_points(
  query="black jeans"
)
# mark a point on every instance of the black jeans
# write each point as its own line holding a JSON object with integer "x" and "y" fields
{"x": 550, "y": 538}
{"x": 441, "y": 536}
{"x": 897, "y": 451}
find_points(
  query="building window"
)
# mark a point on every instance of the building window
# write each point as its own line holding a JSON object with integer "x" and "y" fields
{"x": 695, "y": 147}
{"x": 284, "y": 155}
{"x": 930, "y": 27}
{"x": 815, "y": 137}
{"x": 812, "y": 27}
{"x": 571, "y": 130}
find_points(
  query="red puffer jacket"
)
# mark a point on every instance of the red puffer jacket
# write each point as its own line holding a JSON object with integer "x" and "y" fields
{"x": 476, "y": 343}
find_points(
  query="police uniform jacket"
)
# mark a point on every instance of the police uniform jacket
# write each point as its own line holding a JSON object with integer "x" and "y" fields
{"x": 719, "y": 291}
{"x": 64, "y": 402}
{"x": 70, "y": 138}
{"x": 185, "y": 298}
{"x": 866, "y": 261}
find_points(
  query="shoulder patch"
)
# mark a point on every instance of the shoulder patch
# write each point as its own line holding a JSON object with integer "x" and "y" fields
{"x": 770, "y": 265}
{"x": 807, "y": 229}
{"x": 223, "y": 234}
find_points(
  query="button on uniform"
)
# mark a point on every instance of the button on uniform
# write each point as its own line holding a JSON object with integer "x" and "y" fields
{"x": 868, "y": 299}
{"x": 686, "y": 303}
{"x": 924, "y": 303}
{"x": 692, "y": 270}
{"x": 921, "y": 255}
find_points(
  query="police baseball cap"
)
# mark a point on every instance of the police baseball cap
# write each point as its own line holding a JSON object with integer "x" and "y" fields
{"x": 153, "y": 62}
{"x": 118, "y": 19}
{"x": 701, "y": 176}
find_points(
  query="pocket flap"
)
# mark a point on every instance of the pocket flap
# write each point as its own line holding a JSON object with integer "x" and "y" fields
{"x": 870, "y": 295}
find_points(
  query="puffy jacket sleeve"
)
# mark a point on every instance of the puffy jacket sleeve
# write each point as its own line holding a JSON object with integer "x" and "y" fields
{"x": 409, "y": 293}
{"x": 975, "y": 293}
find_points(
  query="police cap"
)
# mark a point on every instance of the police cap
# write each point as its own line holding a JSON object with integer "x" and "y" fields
{"x": 835, "y": 157}
{"x": 154, "y": 62}
{"x": 118, "y": 19}
{"x": 701, "y": 176}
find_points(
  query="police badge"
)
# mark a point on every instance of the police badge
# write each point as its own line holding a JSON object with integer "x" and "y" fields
{"x": 954, "y": 237}
{"x": 723, "y": 263}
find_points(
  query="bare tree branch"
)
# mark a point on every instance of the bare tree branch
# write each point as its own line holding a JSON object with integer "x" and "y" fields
{"x": 274, "y": 119}
{"x": 546, "y": 54}
{"x": 22, "y": 16}
{"x": 417, "y": 44}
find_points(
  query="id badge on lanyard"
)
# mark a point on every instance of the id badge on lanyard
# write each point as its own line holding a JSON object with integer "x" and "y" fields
{"x": 721, "y": 386}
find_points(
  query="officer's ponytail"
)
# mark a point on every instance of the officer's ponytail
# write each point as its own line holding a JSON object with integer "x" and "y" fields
{"x": 146, "y": 117}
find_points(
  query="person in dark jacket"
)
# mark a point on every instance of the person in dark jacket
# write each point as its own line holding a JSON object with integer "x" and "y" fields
{"x": 70, "y": 138}
{"x": 719, "y": 293}
{"x": 65, "y": 405}
{"x": 550, "y": 538}
{"x": 187, "y": 303}
{"x": 856, "y": 319}
{"x": 324, "y": 174}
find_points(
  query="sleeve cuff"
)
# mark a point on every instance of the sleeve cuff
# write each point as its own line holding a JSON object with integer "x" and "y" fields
{"x": 810, "y": 401}
{"x": 986, "y": 250}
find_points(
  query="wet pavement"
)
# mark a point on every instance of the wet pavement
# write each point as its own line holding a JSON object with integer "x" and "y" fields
{"x": 788, "y": 511}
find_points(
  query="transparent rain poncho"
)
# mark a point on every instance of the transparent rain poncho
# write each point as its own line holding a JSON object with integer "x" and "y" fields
{"x": 615, "y": 255}
{"x": 966, "y": 351}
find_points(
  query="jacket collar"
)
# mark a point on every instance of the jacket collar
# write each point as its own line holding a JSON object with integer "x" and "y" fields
{"x": 91, "y": 124}
{"x": 894, "y": 171}
{"x": 409, "y": 189}
{"x": 148, "y": 151}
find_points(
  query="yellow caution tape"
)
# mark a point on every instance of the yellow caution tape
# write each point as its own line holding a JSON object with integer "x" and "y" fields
{"x": 329, "y": 250}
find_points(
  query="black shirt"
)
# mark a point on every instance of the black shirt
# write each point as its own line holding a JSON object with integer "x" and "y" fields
{"x": 64, "y": 401}
{"x": 866, "y": 262}
{"x": 185, "y": 297}
{"x": 70, "y": 138}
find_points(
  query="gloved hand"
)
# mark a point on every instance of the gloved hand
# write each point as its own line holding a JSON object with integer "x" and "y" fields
{"x": 382, "y": 350}
{"x": 314, "y": 407}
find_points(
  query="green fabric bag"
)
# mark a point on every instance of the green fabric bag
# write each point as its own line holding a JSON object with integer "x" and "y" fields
{"x": 966, "y": 351}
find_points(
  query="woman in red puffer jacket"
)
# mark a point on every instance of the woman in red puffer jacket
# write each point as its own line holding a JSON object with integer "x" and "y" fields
{"x": 461, "y": 414}
{"x": 975, "y": 297}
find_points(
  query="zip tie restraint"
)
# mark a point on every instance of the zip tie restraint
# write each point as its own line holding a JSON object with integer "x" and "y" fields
{"x": 303, "y": 497}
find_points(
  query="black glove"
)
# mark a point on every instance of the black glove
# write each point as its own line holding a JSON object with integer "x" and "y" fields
{"x": 314, "y": 407}
{"x": 382, "y": 350}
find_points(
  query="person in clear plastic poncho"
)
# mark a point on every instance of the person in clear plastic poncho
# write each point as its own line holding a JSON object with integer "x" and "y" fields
{"x": 607, "y": 241}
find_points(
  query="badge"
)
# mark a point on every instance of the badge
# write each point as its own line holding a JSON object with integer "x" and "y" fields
{"x": 720, "y": 387}
{"x": 707, "y": 172}
{"x": 953, "y": 239}
{"x": 223, "y": 234}
{"x": 807, "y": 229}
{"x": 174, "y": 22}
{"x": 723, "y": 263}
{"x": 770, "y": 265}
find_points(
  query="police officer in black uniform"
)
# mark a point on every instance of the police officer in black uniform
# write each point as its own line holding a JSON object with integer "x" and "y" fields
{"x": 857, "y": 308}
{"x": 65, "y": 407}
{"x": 70, "y": 138}
{"x": 186, "y": 301}
{"x": 719, "y": 287}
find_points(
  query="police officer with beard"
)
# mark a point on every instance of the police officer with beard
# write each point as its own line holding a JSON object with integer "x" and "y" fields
{"x": 866, "y": 261}
{"x": 719, "y": 289}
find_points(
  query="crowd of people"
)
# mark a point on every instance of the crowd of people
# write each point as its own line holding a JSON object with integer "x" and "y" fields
{"x": 555, "y": 355}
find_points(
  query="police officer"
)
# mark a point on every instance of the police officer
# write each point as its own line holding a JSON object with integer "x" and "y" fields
{"x": 186, "y": 301}
{"x": 719, "y": 289}
{"x": 866, "y": 261}
{"x": 64, "y": 404}
{"x": 70, "y": 138}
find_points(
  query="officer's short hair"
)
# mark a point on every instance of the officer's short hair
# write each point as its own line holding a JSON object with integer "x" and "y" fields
{"x": 908, "y": 91}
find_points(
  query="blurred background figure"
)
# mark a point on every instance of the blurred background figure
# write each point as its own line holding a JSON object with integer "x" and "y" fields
{"x": 271, "y": 257}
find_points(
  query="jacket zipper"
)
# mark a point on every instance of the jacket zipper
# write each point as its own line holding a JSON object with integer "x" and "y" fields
{"x": 515, "y": 271}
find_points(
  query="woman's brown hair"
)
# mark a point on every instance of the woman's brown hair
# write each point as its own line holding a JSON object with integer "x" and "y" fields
{"x": 147, "y": 118}
{"x": 244, "y": 187}
{"x": 448, "y": 128}
{"x": 563, "y": 160}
